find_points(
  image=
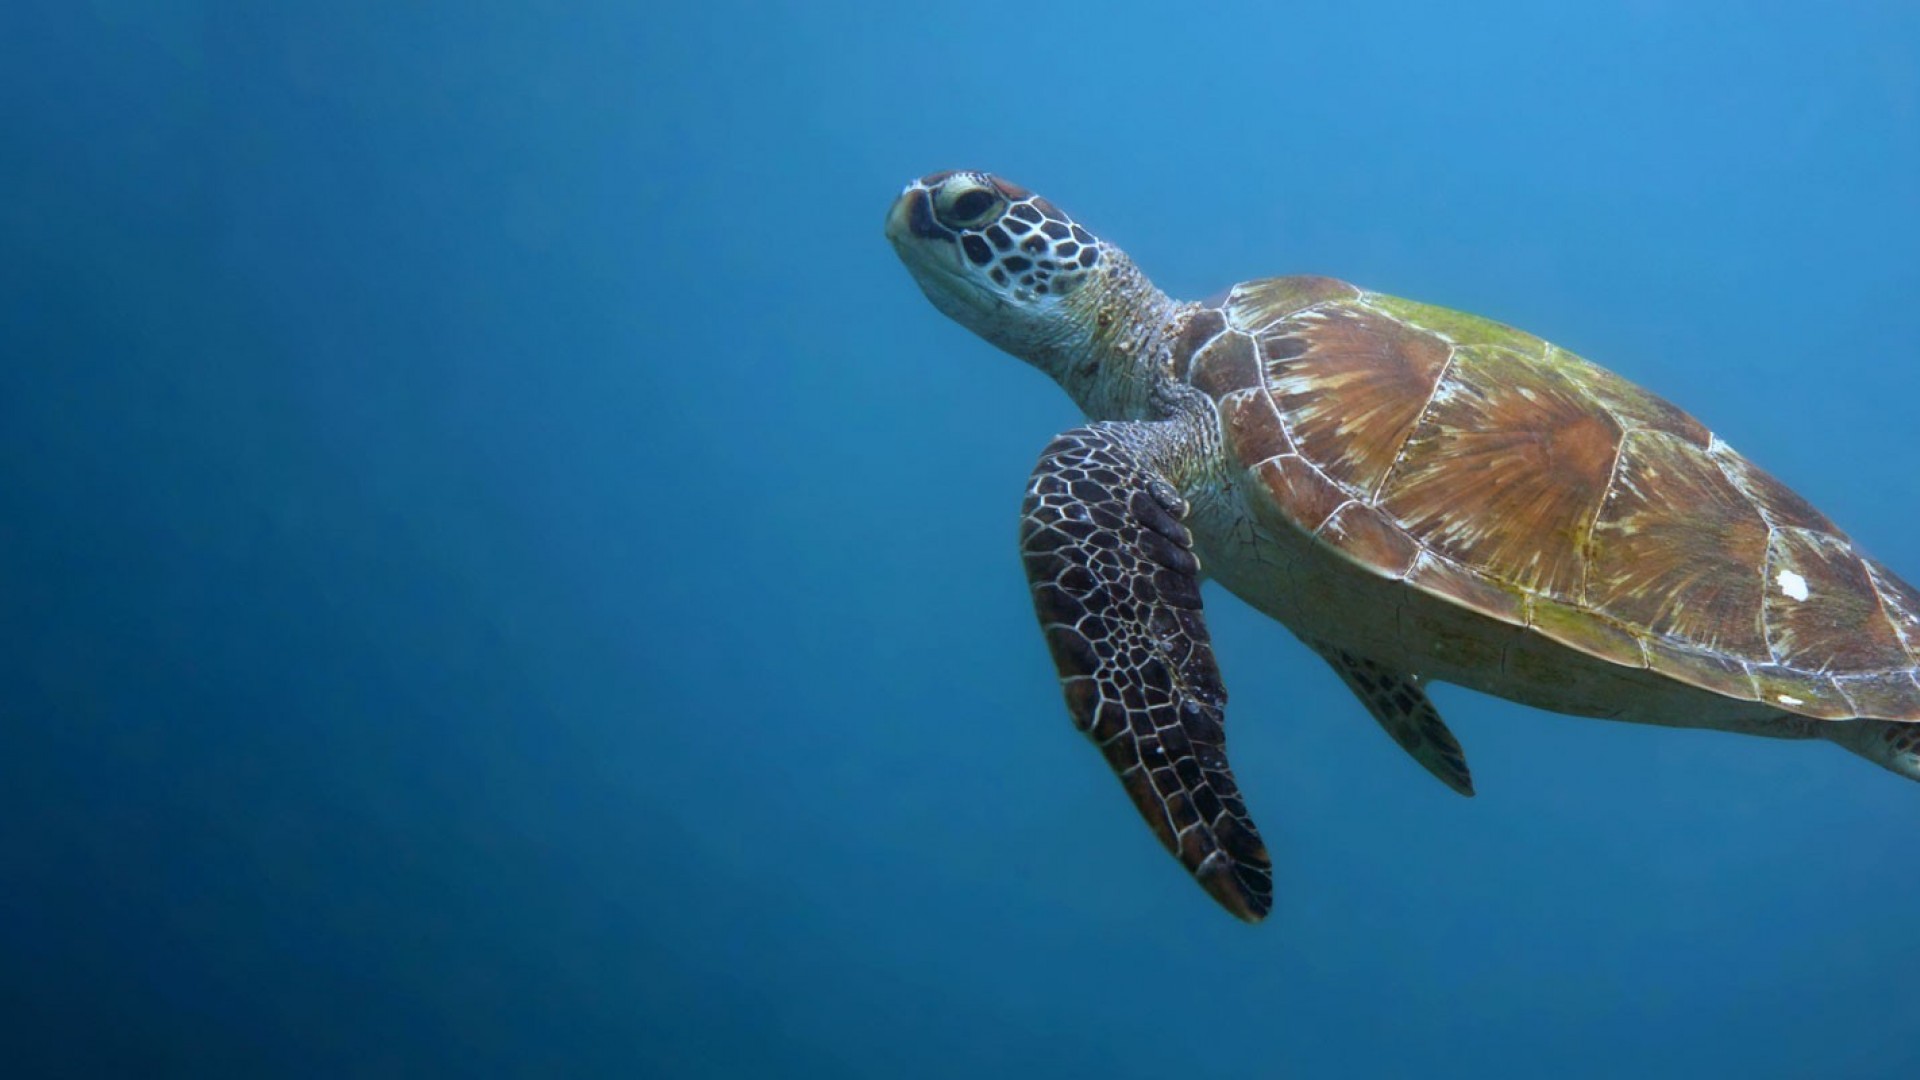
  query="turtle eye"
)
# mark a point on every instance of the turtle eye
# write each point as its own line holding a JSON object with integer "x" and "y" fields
{"x": 967, "y": 205}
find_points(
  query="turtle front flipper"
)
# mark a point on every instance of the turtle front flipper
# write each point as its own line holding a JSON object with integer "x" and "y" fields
{"x": 1403, "y": 709}
{"x": 1117, "y": 589}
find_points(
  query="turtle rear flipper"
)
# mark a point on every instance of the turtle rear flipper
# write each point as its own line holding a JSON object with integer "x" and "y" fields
{"x": 1891, "y": 744}
{"x": 1404, "y": 710}
{"x": 1117, "y": 589}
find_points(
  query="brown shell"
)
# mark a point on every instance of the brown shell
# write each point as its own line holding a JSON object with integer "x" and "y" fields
{"x": 1488, "y": 468}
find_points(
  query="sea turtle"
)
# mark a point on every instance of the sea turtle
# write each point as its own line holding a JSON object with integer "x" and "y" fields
{"x": 1418, "y": 494}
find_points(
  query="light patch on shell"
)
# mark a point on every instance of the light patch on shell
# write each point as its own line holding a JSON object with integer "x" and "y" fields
{"x": 1793, "y": 585}
{"x": 1789, "y": 699}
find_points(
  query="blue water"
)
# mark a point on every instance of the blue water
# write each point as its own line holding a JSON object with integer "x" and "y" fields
{"x": 501, "y": 572}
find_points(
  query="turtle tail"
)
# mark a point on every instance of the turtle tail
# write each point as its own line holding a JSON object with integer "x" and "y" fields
{"x": 1890, "y": 744}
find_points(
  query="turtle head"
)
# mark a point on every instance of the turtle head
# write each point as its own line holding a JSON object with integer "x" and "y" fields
{"x": 1000, "y": 260}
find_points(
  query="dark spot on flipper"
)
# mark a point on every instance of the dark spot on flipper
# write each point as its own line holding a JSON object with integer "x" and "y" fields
{"x": 1165, "y": 553}
{"x": 1076, "y": 580}
{"x": 1083, "y": 700}
{"x": 1109, "y": 720}
{"x": 1072, "y": 652}
{"x": 1056, "y": 605}
{"x": 1407, "y": 737}
{"x": 1155, "y": 514}
{"x": 1177, "y": 588}
{"x": 1206, "y": 803}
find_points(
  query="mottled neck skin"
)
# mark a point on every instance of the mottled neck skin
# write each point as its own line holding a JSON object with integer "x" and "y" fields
{"x": 1020, "y": 272}
{"x": 1113, "y": 353}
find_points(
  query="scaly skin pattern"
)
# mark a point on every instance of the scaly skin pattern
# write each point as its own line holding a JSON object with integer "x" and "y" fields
{"x": 1405, "y": 712}
{"x": 1418, "y": 494}
{"x": 1117, "y": 591}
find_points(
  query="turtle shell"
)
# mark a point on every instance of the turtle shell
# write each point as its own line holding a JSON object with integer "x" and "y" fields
{"x": 1509, "y": 477}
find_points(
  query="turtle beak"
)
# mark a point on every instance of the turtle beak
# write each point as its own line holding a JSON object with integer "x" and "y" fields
{"x": 912, "y": 217}
{"x": 900, "y": 215}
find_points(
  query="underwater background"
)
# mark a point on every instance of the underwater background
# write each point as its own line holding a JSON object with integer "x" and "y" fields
{"x": 502, "y": 572}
